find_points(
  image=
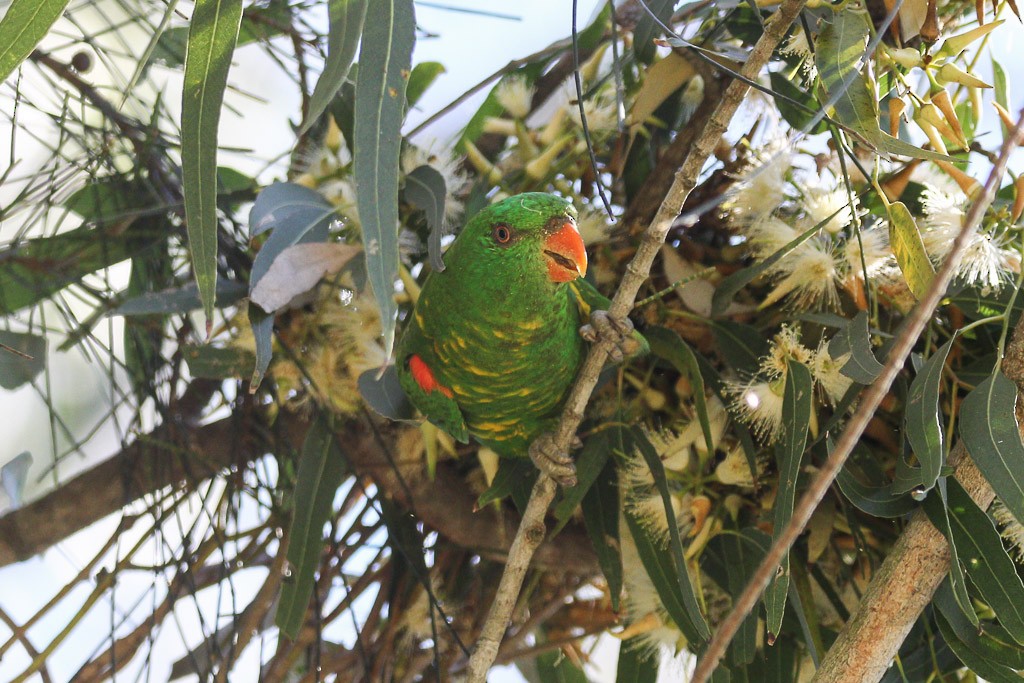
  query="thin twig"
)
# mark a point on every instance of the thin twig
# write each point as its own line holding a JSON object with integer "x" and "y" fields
{"x": 531, "y": 531}
{"x": 870, "y": 399}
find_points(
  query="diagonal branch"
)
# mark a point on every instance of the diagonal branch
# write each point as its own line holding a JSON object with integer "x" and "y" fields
{"x": 532, "y": 527}
{"x": 869, "y": 401}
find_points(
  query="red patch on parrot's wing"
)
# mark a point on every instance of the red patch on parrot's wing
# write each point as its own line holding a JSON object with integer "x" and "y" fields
{"x": 424, "y": 376}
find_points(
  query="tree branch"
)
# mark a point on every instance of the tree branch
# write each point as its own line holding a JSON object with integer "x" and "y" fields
{"x": 177, "y": 455}
{"x": 636, "y": 273}
{"x": 912, "y": 571}
{"x": 869, "y": 401}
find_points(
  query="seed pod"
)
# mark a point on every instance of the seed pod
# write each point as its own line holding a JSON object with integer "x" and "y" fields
{"x": 1018, "y": 198}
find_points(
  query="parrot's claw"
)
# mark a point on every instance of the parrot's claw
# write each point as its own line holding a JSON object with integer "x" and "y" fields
{"x": 618, "y": 331}
{"x": 553, "y": 461}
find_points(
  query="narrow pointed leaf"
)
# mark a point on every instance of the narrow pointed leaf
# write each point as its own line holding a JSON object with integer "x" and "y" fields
{"x": 988, "y": 640}
{"x": 346, "y": 24}
{"x": 422, "y": 77}
{"x": 384, "y": 394}
{"x": 695, "y": 627}
{"x": 600, "y": 509}
{"x": 384, "y": 59}
{"x": 862, "y": 366}
{"x": 736, "y": 554}
{"x": 636, "y": 665}
{"x": 878, "y": 501}
{"x": 320, "y": 473}
{"x": 668, "y": 345}
{"x": 13, "y": 475}
{"x": 908, "y": 247}
{"x": 22, "y": 367}
{"x": 937, "y": 509}
{"x": 989, "y": 429}
{"x": 211, "y": 43}
{"x": 425, "y": 189}
{"x": 991, "y": 671}
{"x": 21, "y": 29}
{"x": 922, "y": 421}
{"x": 988, "y": 565}
{"x": 647, "y": 28}
{"x": 796, "y": 415}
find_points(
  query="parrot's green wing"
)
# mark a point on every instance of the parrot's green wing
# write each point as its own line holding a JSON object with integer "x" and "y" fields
{"x": 415, "y": 361}
{"x": 589, "y": 299}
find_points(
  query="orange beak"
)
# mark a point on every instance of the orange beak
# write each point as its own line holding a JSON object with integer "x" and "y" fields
{"x": 566, "y": 254}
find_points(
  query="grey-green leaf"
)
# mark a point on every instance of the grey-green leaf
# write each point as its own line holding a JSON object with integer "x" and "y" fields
{"x": 21, "y": 29}
{"x": 384, "y": 394}
{"x": 668, "y": 345}
{"x": 989, "y": 429}
{"x": 384, "y": 59}
{"x": 922, "y": 421}
{"x": 321, "y": 470}
{"x": 211, "y": 43}
{"x": 425, "y": 189}
{"x": 22, "y": 360}
{"x": 862, "y": 366}
{"x": 796, "y": 415}
{"x": 636, "y": 665}
{"x": 985, "y": 558}
{"x": 13, "y": 475}
{"x": 346, "y": 24}
{"x": 600, "y": 509}
{"x": 937, "y": 509}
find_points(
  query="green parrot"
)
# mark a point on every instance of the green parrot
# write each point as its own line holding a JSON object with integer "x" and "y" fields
{"x": 494, "y": 343}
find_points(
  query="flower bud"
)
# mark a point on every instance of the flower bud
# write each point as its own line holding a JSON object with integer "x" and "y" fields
{"x": 951, "y": 73}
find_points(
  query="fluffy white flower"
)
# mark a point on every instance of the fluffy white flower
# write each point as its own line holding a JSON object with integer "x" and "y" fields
{"x": 671, "y": 447}
{"x": 873, "y": 245}
{"x": 785, "y": 347}
{"x": 819, "y": 203}
{"x": 826, "y": 370}
{"x": 648, "y": 620}
{"x": 759, "y": 404}
{"x": 943, "y": 217}
{"x": 768, "y": 234}
{"x": 798, "y": 46}
{"x": 450, "y": 168}
{"x": 762, "y": 188}
{"x": 515, "y": 95}
{"x": 718, "y": 419}
{"x": 593, "y": 224}
{"x": 734, "y": 470}
{"x": 985, "y": 264}
{"x": 600, "y": 113}
{"x": 1012, "y": 530}
{"x": 807, "y": 276}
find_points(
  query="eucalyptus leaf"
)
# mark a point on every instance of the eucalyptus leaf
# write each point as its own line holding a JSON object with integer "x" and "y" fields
{"x": 742, "y": 346}
{"x": 22, "y": 360}
{"x": 345, "y": 26}
{"x": 21, "y": 29}
{"x": 988, "y": 427}
{"x": 214, "y": 362}
{"x": 992, "y": 672}
{"x": 878, "y": 501}
{"x": 515, "y": 478}
{"x": 988, "y": 565}
{"x": 668, "y": 345}
{"x": 690, "y": 621}
{"x": 211, "y": 44}
{"x": 635, "y": 664}
{"x": 908, "y": 247}
{"x": 384, "y": 394}
{"x": 422, "y": 77}
{"x": 298, "y": 269}
{"x": 796, "y": 415}
{"x": 647, "y": 28}
{"x": 385, "y": 55}
{"x": 862, "y": 366}
{"x": 321, "y": 470}
{"x": 13, "y": 475}
{"x": 295, "y": 214}
{"x": 922, "y": 422}
{"x": 425, "y": 189}
{"x": 179, "y": 299}
{"x": 600, "y": 509}
{"x": 590, "y": 462}
{"x": 937, "y": 509}
{"x": 262, "y": 324}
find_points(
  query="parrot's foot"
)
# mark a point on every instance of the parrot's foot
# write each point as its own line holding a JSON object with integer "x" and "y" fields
{"x": 553, "y": 461}
{"x": 618, "y": 331}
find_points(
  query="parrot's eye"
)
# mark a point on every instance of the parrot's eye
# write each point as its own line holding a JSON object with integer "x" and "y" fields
{"x": 502, "y": 234}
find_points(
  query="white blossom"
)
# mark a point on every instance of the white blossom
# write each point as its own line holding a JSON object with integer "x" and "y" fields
{"x": 759, "y": 404}
{"x": 515, "y": 95}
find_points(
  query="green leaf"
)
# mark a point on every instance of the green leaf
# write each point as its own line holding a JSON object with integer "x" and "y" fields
{"x": 514, "y": 477}
{"x": 385, "y": 395}
{"x": 690, "y": 620}
{"x": 1001, "y": 87}
{"x": 600, "y": 509}
{"x": 937, "y": 509}
{"x": 796, "y": 416}
{"x": 422, "y": 77}
{"x": 425, "y": 189}
{"x": 668, "y": 345}
{"x": 986, "y": 638}
{"x": 555, "y": 667}
{"x": 17, "y": 369}
{"x": 784, "y": 91}
{"x": 384, "y": 59}
{"x": 993, "y": 672}
{"x": 213, "y": 362}
{"x": 21, "y": 29}
{"x": 740, "y": 345}
{"x": 862, "y": 366}
{"x": 839, "y": 50}
{"x": 321, "y": 471}
{"x": 908, "y": 247}
{"x": 262, "y": 324}
{"x": 179, "y": 299}
{"x": 636, "y": 664}
{"x": 211, "y": 44}
{"x": 922, "y": 421}
{"x": 877, "y": 501}
{"x": 647, "y": 29}
{"x": 735, "y": 556}
{"x": 989, "y": 429}
{"x": 590, "y": 462}
{"x": 346, "y": 24}
{"x": 732, "y": 284}
{"x": 988, "y": 565}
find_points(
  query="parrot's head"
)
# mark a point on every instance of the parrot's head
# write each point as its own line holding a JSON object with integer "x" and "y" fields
{"x": 531, "y": 234}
